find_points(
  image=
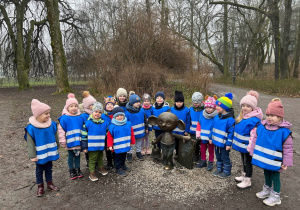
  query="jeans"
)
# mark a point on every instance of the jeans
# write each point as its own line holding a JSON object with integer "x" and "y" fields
{"x": 223, "y": 160}
{"x": 72, "y": 158}
{"x": 246, "y": 159}
{"x": 109, "y": 154}
{"x": 119, "y": 160}
{"x": 40, "y": 168}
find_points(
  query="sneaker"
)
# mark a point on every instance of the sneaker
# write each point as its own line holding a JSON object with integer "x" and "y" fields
{"x": 79, "y": 173}
{"x": 73, "y": 174}
{"x": 202, "y": 164}
{"x": 223, "y": 175}
{"x": 273, "y": 200}
{"x": 40, "y": 190}
{"x": 51, "y": 186}
{"x": 125, "y": 168}
{"x": 216, "y": 172}
{"x": 246, "y": 183}
{"x": 129, "y": 158}
{"x": 240, "y": 178}
{"x": 121, "y": 172}
{"x": 93, "y": 176}
{"x": 139, "y": 156}
{"x": 210, "y": 166}
{"x": 103, "y": 171}
{"x": 265, "y": 193}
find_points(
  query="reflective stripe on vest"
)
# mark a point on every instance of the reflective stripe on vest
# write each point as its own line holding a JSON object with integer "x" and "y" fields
{"x": 122, "y": 137}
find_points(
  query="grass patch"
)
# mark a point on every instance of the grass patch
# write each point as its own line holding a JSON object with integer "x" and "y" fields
{"x": 286, "y": 87}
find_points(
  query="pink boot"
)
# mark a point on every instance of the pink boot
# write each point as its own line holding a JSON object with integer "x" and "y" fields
{"x": 246, "y": 183}
{"x": 240, "y": 178}
{"x": 144, "y": 151}
{"x": 148, "y": 151}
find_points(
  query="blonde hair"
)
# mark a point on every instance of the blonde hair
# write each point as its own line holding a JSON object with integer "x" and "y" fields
{"x": 240, "y": 117}
{"x": 276, "y": 99}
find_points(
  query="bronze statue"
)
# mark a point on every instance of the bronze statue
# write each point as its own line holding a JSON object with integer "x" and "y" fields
{"x": 167, "y": 121}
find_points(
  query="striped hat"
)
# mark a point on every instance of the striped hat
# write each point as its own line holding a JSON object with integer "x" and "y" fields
{"x": 225, "y": 102}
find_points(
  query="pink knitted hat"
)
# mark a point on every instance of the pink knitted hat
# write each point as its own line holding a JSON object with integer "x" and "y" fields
{"x": 210, "y": 101}
{"x": 71, "y": 100}
{"x": 87, "y": 99}
{"x": 250, "y": 99}
{"x": 275, "y": 107}
{"x": 38, "y": 107}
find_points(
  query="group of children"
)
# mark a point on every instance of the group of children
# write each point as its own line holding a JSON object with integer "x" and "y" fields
{"x": 121, "y": 127}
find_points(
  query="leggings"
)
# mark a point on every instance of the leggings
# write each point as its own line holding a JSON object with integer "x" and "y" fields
{"x": 273, "y": 177}
{"x": 246, "y": 160}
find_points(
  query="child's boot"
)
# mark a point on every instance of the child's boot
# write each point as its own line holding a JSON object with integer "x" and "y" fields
{"x": 143, "y": 152}
{"x": 210, "y": 166}
{"x": 121, "y": 172}
{"x": 202, "y": 164}
{"x": 125, "y": 168}
{"x": 93, "y": 176}
{"x": 139, "y": 156}
{"x": 246, "y": 183}
{"x": 148, "y": 151}
{"x": 73, "y": 174}
{"x": 129, "y": 157}
{"x": 273, "y": 200}
{"x": 240, "y": 178}
{"x": 219, "y": 169}
{"x": 40, "y": 190}
{"x": 51, "y": 186}
{"x": 79, "y": 173}
{"x": 265, "y": 192}
{"x": 103, "y": 171}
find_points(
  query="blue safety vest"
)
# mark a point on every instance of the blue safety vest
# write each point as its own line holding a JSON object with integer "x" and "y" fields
{"x": 182, "y": 115}
{"x": 85, "y": 116}
{"x": 148, "y": 113}
{"x": 242, "y": 133}
{"x": 45, "y": 143}
{"x": 157, "y": 112}
{"x": 205, "y": 127}
{"x": 219, "y": 132}
{"x": 106, "y": 117}
{"x": 122, "y": 137}
{"x": 96, "y": 133}
{"x": 267, "y": 152}
{"x": 194, "y": 120}
{"x": 138, "y": 122}
{"x": 72, "y": 125}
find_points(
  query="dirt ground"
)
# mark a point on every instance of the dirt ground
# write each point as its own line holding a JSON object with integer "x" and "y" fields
{"x": 147, "y": 187}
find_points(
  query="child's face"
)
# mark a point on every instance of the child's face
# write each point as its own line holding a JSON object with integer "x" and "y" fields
{"x": 196, "y": 105}
{"x": 273, "y": 119}
{"x": 109, "y": 107}
{"x": 220, "y": 110}
{"x": 122, "y": 98}
{"x": 44, "y": 117}
{"x": 120, "y": 117}
{"x": 137, "y": 105}
{"x": 179, "y": 104}
{"x": 73, "y": 108}
{"x": 159, "y": 100}
{"x": 209, "y": 110}
{"x": 146, "y": 102}
{"x": 97, "y": 114}
{"x": 246, "y": 108}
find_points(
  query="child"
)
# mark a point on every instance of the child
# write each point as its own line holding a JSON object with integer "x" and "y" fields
{"x": 122, "y": 98}
{"x": 272, "y": 149}
{"x": 109, "y": 103}
{"x": 119, "y": 139}
{"x": 195, "y": 110}
{"x": 222, "y": 135}
{"x": 159, "y": 107}
{"x": 69, "y": 130}
{"x": 41, "y": 137}
{"x": 139, "y": 122}
{"x": 249, "y": 118}
{"x": 93, "y": 140}
{"x": 205, "y": 122}
{"x": 147, "y": 107}
{"x": 183, "y": 113}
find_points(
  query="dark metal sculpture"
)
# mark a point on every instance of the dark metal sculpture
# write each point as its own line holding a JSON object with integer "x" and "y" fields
{"x": 167, "y": 121}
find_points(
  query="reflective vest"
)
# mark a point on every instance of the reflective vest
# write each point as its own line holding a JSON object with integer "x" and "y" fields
{"x": 157, "y": 112}
{"x": 85, "y": 116}
{"x": 219, "y": 131}
{"x": 194, "y": 120}
{"x": 96, "y": 133}
{"x": 45, "y": 143}
{"x": 242, "y": 133}
{"x": 267, "y": 152}
{"x": 182, "y": 115}
{"x": 72, "y": 125}
{"x": 148, "y": 113}
{"x": 122, "y": 137}
{"x": 138, "y": 122}
{"x": 205, "y": 127}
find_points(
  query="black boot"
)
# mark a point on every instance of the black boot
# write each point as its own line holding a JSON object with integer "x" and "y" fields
{"x": 140, "y": 156}
{"x": 73, "y": 174}
{"x": 79, "y": 173}
{"x": 129, "y": 158}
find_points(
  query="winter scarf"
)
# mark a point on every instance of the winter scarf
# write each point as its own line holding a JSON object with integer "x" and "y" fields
{"x": 117, "y": 122}
{"x": 211, "y": 115}
{"x": 131, "y": 109}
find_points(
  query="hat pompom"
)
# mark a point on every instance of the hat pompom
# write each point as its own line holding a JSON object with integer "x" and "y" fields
{"x": 85, "y": 94}
{"x": 229, "y": 95}
{"x": 253, "y": 93}
{"x": 216, "y": 97}
{"x": 71, "y": 95}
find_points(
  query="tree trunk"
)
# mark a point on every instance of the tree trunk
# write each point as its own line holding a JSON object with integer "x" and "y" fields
{"x": 297, "y": 52}
{"x": 225, "y": 38}
{"x": 58, "y": 53}
{"x": 284, "y": 64}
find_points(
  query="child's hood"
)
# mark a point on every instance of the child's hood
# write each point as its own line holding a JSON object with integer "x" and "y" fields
{"x": 282, "y": 124}
{"x": 229, "y": 114}
{"x": 255, "y": 113}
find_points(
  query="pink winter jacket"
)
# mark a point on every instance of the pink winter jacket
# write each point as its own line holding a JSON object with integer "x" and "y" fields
{"x": 62, "y": 133}
{"x": 287, "y": 152}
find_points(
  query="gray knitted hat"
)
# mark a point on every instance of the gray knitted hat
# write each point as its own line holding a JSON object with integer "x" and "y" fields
{"x": 146, "y": 96}
{"x": 197, "y": 97}
{"x": 97, "y": 106}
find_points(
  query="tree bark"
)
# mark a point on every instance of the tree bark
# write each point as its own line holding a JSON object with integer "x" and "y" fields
{"x": 297, "y": 52}
{"x": 225, "y": 38}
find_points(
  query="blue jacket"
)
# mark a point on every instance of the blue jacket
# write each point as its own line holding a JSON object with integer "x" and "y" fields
{"x": 72, "y": 125}
{"x": 184, "y": 115}
{"x": 242, "y": 133}
{"x": 122, "y": 137}
{"x": 148, "y": 113}
{"x": 222, "y": 129}
{"x": 194, "y": 120}
{"x": 268, "y": 149}
{"x": 205, "y": 127}
{"x": 45, "y": 143}
{"x": 157, "y": 112}
{"x": 138, "y": 122}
